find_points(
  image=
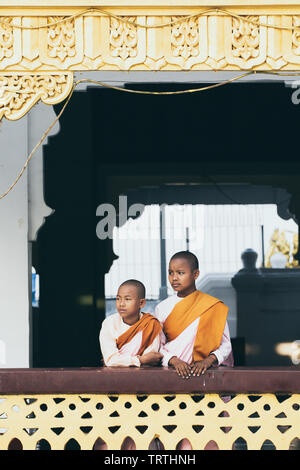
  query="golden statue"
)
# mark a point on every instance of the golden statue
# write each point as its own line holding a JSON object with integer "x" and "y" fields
{"x": 294, "y": 261}
{"x": 279, "y": 244}
{"x": 272, "y": 248}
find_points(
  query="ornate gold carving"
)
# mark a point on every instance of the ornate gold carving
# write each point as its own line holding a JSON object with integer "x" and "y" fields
{"x": 96, "y": 41}
{"x": 248, "y": 45}
{"x": 61, "y": 39}
{"x": 187, "y": 42}
{"x": 125, "y": 46}
{"x": 245, "y": 38}
{"x": 6, "y": 37}
{"x": 19, "y": 92}
{"x": 10, "y": 42}
{"x": 61, "y": 44}
{"x": 123, "y": 38}
{"x": 185, "y": 38}
{"x": 296, "y": 36}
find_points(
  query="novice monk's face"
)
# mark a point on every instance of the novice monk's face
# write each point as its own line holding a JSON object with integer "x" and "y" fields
{"x": 129, "y": 304}
{"x": 181, "y": 277}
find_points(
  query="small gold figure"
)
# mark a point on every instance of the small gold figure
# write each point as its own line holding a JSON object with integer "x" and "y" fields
{"x": 272, "y": 248}
{"x": 294, "y": 263}
{"x": 279, "y": 244}
{"x": 284, "y": 247}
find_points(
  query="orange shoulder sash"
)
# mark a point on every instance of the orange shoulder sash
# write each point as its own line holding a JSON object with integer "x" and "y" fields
{"x": 212, "y": 314}
{"x": 150, "y": 327}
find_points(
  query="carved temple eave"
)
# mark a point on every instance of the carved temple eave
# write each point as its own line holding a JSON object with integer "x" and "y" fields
{"x": 20, "y": 91}
{"x": 43, "y": 43}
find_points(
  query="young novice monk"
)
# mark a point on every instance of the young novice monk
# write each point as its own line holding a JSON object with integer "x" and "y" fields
{"x": 129, "y": 337}
{"x": 196, "y": 334}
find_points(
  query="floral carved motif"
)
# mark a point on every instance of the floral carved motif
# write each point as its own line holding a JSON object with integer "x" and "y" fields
{"x": 6, "y": 37}
{"x": 61, "y": 39}
{"x": 296, "y": 36}
{"x": 123, "y": 38}
{"x": 245, "y": 38}
{"x": 19, "y": 92}
{"x": 185, "y": 38}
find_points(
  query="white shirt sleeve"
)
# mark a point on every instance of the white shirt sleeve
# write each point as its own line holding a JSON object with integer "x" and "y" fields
{"x": 225, "y": 347}
{"x": 111, "y": 355}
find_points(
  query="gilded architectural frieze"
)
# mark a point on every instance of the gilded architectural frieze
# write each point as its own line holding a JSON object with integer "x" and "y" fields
{"x": 167, "y": 42}
{"x": 52, "y": 43}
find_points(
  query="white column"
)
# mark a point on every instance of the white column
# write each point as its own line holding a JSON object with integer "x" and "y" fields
{"x": 40, "y": 118}
{"x": 22, "y": 213}
{"x": 14, "y": 292}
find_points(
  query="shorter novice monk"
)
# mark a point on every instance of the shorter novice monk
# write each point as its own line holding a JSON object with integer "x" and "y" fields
{"x": 130, "y": 337}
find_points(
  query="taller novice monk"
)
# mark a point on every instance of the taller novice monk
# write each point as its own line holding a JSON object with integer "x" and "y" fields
{"x": 195, "y": 330}
{"x": 130, "y": 337}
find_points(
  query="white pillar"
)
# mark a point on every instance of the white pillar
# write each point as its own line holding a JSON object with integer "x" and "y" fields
{"x": 40, "y": 118}
{"x": 14, "y": 292}
{"x": 22, "y": 212}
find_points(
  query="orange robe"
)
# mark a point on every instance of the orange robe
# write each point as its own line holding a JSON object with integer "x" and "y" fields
{"x": 213, "y": 315}
{"x": 150, "y": 327}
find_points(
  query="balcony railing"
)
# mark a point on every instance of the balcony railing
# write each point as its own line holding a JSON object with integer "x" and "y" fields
{"x": 238, "y": 408}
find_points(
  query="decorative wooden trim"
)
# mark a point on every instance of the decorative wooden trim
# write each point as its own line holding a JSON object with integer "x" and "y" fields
{"x": 54, "y": 42}
{"x": 20, "y": 91}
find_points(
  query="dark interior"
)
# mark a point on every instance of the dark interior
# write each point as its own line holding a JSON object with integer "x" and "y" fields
{"x": 113, "y": 143}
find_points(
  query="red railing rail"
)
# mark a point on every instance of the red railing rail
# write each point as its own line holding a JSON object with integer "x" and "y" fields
{"x": 149, "y": 380}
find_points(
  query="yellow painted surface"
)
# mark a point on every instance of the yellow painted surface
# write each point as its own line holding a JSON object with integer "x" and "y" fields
{"x": 199, "y": 418}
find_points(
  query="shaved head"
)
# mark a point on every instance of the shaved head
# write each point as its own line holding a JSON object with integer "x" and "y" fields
{"x": 140, "y": 288}
{"x": 190, "y": 258}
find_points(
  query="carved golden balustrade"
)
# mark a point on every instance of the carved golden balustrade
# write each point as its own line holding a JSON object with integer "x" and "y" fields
{"x": 40, "y": 48}
{"x": 59, "y": 408}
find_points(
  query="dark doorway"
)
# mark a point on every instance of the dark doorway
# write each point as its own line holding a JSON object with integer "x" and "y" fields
{"x": 112, "y": 142}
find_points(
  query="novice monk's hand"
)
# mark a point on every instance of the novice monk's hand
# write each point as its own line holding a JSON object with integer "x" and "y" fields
{"x": 151, "y": 359}
{"x": 199, "y": 367}
{"x": 182, "y": 368}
